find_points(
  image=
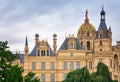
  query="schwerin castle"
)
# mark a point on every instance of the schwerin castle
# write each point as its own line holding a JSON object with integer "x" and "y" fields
{"x": 87, "y": 49}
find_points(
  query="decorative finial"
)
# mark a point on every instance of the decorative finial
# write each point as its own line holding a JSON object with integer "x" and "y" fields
{"x": 86, "y": 14}
{"x": 26, "y": 42}
{"x": 86, "y": 17}
{"x": 102, "y": 14}
{"x": 102, "y": 7}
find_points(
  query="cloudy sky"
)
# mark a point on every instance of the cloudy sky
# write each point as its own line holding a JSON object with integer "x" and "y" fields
{"x": 21, "y": 18}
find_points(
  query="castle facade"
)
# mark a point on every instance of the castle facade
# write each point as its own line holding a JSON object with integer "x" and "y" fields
{"x": 87, "y": 49}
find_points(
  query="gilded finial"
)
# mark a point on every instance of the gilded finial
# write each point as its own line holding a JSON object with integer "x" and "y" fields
{"x": 86, "y": 14}
{"x": 86, "y": 17}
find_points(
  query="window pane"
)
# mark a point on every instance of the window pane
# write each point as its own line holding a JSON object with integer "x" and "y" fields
{"x": 52, "y": 77}
{"x": 33, "y": 66}
{"x": 52, "y": 65}
{"x": 43, "y": 65}
{"x": 78, "y": 65}
{"x": 38, "y": 52}
{"x": 64, "y": 76}
{"x": 43, "y": 78}
{"x": 110, "y": 62}
{"x": 71, "y": 65}
{"x": 65, "y": 65}
{"x": 90, "y": 65}
{"x": 100, "y": 60}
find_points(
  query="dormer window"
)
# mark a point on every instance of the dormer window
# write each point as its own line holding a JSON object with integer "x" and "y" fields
{"x": 71, "y": 45}
{"x": 38, "y": 52}
{"x": 48, "y": 53}
{"x": 42, "y": 52}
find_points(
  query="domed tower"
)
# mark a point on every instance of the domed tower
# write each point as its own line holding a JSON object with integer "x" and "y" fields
{"x": 86, "y": 34}
{"x": 104, "y": 35}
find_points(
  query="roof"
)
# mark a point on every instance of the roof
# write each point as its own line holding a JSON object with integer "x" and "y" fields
{"x": 103, "y": 26}
{"x": 20, "y": 56}
{"x": 78, "y": 45}
{"x": 33, "y": 52}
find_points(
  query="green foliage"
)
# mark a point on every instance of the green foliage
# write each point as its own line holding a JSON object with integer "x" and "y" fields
{"x": 30, "y": 77}
{"x": 12, "y": 73}
{"x": 82, "y": 75}
{"x": 79, "y": 75}
{"x": 8, "y": 73}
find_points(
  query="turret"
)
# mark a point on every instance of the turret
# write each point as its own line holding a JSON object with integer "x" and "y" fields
{"x": 26, "y": 49}
{"x": 55, "y": 43}
{"x": 36, "y": 38}
{"x": 86, "y": 34}
{"x": 103, "y": 38}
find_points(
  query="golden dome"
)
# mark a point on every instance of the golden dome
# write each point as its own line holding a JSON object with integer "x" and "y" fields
{"x": 86, "y": 26}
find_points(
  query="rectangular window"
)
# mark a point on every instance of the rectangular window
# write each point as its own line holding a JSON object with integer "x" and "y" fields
{"x": 43, "y": 65}
{"x": 42, "y": 52}
{"x": 90, "y": 65}
{"x": 71, "y": 65}
{"x": 52, "y": 65}
{"x": 64, "y": 76}
{"x": 47, "y": 52}
{"x": 100, "y": 60}
{"x": 42, "y": 77}
{"x": 65, "y": 65}
{"x": 77, "y": 65}
{"x": 110, "y": 62}
{"x": 52, "y": 77}
{"x": 33, "y": 66}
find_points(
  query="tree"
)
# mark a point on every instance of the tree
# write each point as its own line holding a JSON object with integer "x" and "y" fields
{"x": 79, "y": 75}
{"x": 30, "y": 77}
{"x": 9, "y": 72}
{"x": 102, "y": 74}
{"x": 82, "y": 75}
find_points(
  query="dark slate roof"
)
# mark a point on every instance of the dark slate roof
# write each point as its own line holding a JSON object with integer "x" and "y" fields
{"x": 64, "y": 44}
{"x": 33, "y": 53}
{"x": 103, "y": 26}
{"x": 21, "y": 56}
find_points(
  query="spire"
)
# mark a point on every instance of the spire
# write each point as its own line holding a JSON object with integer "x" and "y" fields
{"x": 86, "y": 17}
{"x": 26, "y": 42}
{"x": 102, "y": 14}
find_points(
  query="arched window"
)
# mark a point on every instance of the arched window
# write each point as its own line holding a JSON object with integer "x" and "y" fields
{"x": 88, "y": 34}
{"x": 88, "y": 45}
{"x": 100, "y": 35}
{"x": 82, "y": 43}
{"x": 115, "y": 62}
